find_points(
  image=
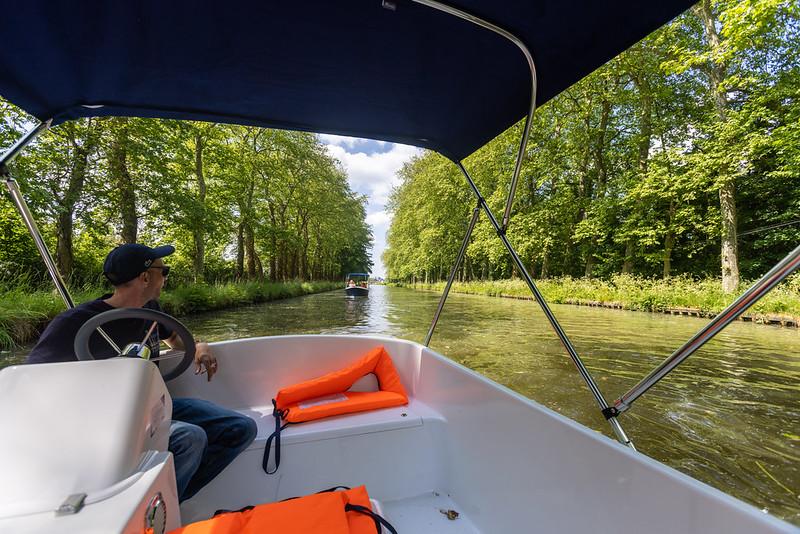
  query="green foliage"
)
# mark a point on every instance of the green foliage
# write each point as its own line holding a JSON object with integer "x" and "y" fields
{"x": 635, "y": 293}
{"x": 238, "y": 203}
{"x": 19, "y": 262}
{"x": 624, "y": 171}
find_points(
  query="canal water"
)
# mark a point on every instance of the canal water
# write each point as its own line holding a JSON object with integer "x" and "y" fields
{"x": 729, "y": 415}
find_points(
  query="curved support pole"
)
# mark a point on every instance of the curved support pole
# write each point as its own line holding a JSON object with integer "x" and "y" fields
{"x": 452, "y": 277}
{"x": 41, "y": 246}
{"x": 531, "y": 65}
{"x": 783, "y": 269}
{"x": 584, "y": 372}
{"x": 9, "y": 155}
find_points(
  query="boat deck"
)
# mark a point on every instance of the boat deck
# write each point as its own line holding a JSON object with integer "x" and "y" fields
{"x": 427, "y": 513}
{"x": 463, "y": 443}
{"x": 417, "y": 505}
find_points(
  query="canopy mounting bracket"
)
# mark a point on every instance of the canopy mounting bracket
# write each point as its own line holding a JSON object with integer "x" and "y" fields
{"x": 532, "y": 107}
{"x": 782, "y": 269}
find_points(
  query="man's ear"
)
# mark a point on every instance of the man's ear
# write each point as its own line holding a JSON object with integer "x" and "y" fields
{"x": 145, "y": 276}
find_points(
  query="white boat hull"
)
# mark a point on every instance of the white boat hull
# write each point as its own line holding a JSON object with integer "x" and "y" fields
{"x": 503, "y": 462}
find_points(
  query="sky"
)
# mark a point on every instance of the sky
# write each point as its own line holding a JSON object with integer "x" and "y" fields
{"x": 371, "y": 168}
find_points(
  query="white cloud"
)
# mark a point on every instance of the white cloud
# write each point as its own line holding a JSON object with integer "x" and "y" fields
{"x": 372, "y": 168}
{"x": 352, "y": 143}
{"x": 379, "y": 217}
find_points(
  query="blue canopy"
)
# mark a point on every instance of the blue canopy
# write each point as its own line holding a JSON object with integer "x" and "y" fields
{"x": 411, "y": 74}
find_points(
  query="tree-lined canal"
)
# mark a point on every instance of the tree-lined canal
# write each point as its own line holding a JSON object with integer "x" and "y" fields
{"x": 729, "y": 416}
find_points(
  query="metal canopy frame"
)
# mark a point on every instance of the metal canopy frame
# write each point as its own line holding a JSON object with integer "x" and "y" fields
{"x": 531, "y": 65}
{"x": 610, "y": 412}
{"x": 501, "y": 228}
{"x": 778, "y": 273}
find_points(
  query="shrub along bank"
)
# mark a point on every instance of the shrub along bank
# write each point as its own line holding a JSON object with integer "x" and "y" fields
{"x": 675, "y": 294}
{"x": 24, "y": 314}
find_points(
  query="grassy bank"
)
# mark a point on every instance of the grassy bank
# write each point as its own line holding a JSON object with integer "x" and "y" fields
{"x": 23, "y": 314}
{"x": 642, "y": 294}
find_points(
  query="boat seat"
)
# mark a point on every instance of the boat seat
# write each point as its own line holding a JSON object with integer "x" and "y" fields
{"x": 394, "y": 418}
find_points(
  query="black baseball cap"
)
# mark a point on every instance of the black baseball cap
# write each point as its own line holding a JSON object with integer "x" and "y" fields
{"x": 128, "y": 261}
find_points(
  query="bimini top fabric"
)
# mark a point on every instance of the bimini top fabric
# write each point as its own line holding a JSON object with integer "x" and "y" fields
{"x": 396, "y": 71}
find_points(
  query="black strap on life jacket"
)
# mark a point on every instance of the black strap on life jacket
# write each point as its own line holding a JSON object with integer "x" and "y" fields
{"x": 278, "y": 415}
{"x": 379, "y": 521}
{"x": 239, "y": 511}
{"x": 329, "y": 490}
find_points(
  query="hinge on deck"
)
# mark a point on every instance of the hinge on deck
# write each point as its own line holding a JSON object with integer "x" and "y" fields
{"x": 72, "y": 505}
{"x": 610, "y": 412}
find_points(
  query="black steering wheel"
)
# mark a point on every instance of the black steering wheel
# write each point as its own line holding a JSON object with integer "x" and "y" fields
{"x": 84, "y": 352}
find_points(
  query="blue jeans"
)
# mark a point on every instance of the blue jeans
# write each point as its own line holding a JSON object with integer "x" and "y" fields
{"x": 204, "y": 438}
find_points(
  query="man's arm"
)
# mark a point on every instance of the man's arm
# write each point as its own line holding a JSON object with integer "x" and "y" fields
{"x": 204, "y": 360}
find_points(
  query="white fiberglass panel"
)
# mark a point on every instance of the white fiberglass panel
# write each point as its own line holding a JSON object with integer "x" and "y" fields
{"x": 76, "y": 427}
{"x": 516, "y": 466}
{"x": 507, "y": 463}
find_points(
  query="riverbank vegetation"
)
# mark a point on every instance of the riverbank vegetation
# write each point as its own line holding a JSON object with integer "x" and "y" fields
{"x": 23, "y": 314}
{"x": 255, "y": 214}
{"x": 679, "y": 293}
{"x": 679, "y": 157}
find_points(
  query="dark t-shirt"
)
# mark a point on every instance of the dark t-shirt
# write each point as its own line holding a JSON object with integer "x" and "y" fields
{"x": 57, "y": 340}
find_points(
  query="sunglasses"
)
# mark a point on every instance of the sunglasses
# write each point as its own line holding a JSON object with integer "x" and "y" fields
{"x": 164, "y": 270}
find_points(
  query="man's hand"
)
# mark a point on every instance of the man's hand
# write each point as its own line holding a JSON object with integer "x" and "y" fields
{"x": 204, "y": 361}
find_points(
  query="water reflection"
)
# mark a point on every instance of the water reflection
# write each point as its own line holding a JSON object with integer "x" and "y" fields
{"x": 728, "y": 416}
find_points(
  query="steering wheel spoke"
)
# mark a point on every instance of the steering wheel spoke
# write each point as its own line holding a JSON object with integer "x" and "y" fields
{"x": 169, "y": 355}
{"x": 84, "y": 352}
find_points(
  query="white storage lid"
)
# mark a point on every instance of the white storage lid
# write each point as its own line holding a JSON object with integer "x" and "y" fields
{"x": 76, "y": 427}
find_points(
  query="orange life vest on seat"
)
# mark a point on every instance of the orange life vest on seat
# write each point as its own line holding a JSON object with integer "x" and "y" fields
{"x": 328, "y": 395}
{"x": 330, "y": 512}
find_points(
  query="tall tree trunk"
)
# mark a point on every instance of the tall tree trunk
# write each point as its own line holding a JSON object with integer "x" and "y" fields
{"x": 273, "y": 238}
{"x": 120, "y": 175}
{"x": 643, "y": 87}
{"x": 585, "y": 194}
{"x": 627, "y": 264}
{"x": 600, "y": 148}
{"x": 304, "y": 270}
{"x": 730, "y": 253}
{"x": 198, "y": 226}
{"x": 64, "y": 251}
{"x": 282, "y": 260}
{"x": 727, "y": 190}
{"x": 598, "y": 190}
{"x": 259, "y": 268}
{"x": 249, "y": 234}
{"x": 240, "y": 251}
{"x": 291, "y": 270}
{"x": 545, "y": 265}
{"x": 669, "y": 240}
{"x": 250, "y": 248}
{"x": 81, "y": 149}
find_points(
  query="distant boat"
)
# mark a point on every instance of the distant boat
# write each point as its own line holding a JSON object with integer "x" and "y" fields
{"x": 357, "y": 284}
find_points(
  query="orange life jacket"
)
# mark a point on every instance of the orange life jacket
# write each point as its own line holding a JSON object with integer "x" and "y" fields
{"x": 328, "y": 395}
{"x": 329, "y": 512}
